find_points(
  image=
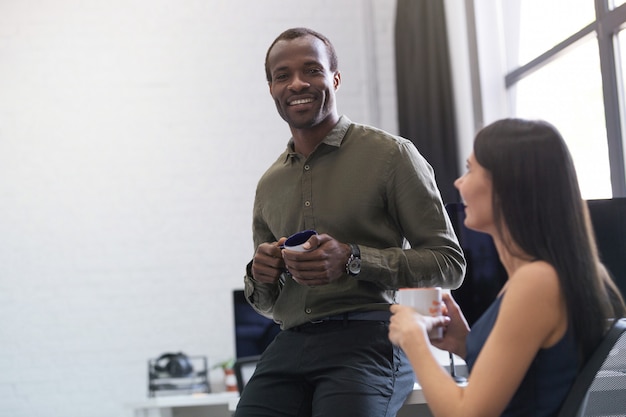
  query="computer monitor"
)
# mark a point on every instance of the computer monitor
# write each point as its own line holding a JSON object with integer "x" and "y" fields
{"x": 253, "y": 332}
{"x": 485, "y": 274}
{"x": 609, "y": 224}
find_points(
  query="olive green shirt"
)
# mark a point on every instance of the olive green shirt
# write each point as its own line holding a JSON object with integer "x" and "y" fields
{"x": 360, "y": 185}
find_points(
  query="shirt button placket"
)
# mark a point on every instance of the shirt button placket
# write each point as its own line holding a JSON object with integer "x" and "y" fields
{"x": 307, "y": 196}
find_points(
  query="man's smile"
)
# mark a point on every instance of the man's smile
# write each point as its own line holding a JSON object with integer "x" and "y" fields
{"x": 300, "y": 101}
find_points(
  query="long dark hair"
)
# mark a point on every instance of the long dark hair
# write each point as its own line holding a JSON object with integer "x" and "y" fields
{"x": 536, "y": 195}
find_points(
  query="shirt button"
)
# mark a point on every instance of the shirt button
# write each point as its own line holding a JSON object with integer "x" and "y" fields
{"x": 308, "y": 311}
{"x": 307, "y": 204}
{"x": 307, "y": 167}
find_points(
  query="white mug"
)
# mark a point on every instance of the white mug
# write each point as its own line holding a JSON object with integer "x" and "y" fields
{"x": 426, "y": 301}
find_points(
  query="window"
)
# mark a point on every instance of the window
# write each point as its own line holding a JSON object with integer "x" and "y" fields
{"x": 617, "y": 3}
{"x": 564, "y": 60}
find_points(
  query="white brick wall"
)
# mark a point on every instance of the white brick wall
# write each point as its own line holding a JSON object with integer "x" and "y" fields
{"x": 132, "y": 134}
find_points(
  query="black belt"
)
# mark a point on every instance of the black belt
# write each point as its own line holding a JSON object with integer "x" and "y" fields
{"x": 379, "y": 315}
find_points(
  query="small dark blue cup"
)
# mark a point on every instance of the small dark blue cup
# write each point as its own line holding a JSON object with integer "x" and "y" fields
{"x": 295, "y": 241}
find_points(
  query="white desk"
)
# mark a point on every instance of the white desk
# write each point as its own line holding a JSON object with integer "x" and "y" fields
{"x": 223, "y": 404}
{"x": 215, "y": 404}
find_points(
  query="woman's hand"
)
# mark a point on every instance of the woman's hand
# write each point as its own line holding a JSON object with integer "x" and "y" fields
{"x": 456, "y": 330}
{"x": 408, "y": 326}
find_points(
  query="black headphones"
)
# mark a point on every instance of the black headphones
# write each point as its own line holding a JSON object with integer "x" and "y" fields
{"x": 176, "y": 365}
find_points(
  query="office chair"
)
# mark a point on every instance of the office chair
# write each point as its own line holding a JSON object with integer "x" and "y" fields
{"x": 600, "y": 388}
{"x": 244, "y": 368}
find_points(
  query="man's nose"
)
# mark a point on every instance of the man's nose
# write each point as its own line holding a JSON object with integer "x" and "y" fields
{"x": 298, "y": 83}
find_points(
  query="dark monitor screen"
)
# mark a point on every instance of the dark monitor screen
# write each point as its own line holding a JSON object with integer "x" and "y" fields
{"x": 485, "y": 274}
{"x": 609, "y": 224}
{"x": 253, "y": 332}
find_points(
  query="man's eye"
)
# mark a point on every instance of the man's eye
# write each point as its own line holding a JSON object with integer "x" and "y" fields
{"x": 279, "y": 77}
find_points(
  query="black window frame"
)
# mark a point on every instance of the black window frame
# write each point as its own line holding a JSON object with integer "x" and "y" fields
{"x": 606, "y": 27}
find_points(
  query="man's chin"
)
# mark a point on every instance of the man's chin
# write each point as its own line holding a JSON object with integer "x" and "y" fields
{"x": 301, "y": 122}
{"x": 302, "y": 126}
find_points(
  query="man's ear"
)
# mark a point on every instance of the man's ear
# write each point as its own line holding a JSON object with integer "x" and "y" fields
{"x": 337, "y": 80}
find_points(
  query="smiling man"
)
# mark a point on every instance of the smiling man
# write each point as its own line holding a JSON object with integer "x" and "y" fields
{"x": 381, "y": 225}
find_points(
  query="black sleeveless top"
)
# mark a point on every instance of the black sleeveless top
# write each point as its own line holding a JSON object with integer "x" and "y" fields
{"x": 546, "y": 382}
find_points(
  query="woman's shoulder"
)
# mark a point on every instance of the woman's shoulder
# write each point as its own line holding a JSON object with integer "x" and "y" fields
{"x": 533, "y": 284}
{"x": 535, "y": 275}
{"x": 534, "y": 289}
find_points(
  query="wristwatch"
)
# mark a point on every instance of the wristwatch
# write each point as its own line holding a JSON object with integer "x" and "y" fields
{"x": 353, "y": 266}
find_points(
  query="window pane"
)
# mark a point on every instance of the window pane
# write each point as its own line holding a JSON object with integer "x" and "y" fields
{"x": 568, "y": 93}
{"x": 534, "y": 26}
{"x": 617, "y": 3}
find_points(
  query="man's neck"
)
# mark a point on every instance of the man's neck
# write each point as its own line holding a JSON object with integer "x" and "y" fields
{"x": 306, "y": 140}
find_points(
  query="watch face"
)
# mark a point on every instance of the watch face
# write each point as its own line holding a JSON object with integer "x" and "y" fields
{"x": 355, "y": 266}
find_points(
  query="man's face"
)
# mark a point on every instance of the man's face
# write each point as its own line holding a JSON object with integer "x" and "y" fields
{"x": 303, "y": 86}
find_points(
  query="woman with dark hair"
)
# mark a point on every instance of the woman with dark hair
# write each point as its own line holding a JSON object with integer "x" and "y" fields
{"x": 525, "y": 351}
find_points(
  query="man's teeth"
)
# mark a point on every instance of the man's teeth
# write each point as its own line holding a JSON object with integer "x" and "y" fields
{"x": 301, "y": 101}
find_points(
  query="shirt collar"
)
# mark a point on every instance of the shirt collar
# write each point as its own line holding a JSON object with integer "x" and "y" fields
{"x": 333, "y": 138}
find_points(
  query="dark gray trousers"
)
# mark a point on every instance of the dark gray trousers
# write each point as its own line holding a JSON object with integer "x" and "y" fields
{"x": 333, "y": 368}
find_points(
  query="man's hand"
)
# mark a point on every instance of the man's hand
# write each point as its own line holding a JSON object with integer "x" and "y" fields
{"x": 323, "y": 263}
{"x": 268, "y": 263}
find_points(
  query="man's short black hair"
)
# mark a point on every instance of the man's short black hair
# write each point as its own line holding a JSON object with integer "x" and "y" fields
{"x": 295, "y": 33}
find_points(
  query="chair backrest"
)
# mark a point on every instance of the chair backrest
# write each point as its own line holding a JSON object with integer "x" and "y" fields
{"x": 600, "y": 388}
{"x": 244, "y": 368}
